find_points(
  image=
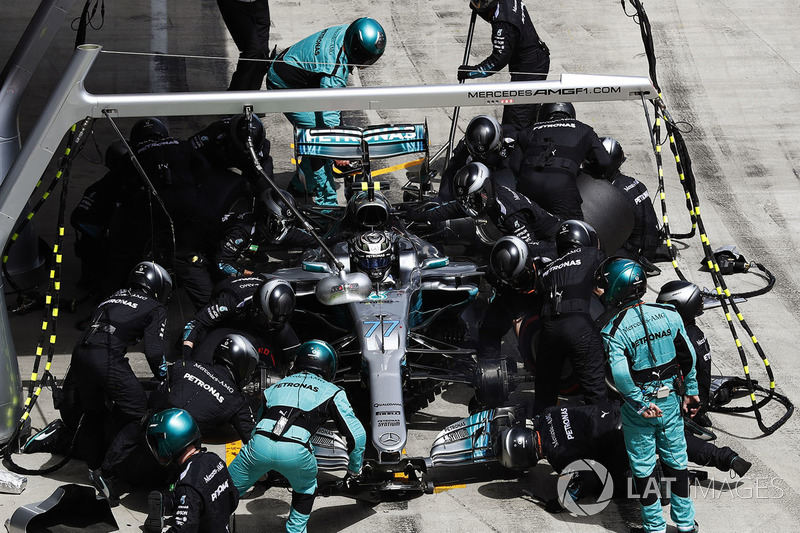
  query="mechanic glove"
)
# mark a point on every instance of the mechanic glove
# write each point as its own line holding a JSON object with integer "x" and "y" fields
{"x": 351, "y": 480}
{"x": 468, "y": 72}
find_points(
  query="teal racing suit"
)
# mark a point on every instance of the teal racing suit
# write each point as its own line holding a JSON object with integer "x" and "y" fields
{"x": 652, "y": 361}
{"x": 316, "y": 62}
{"x": 301, "y": 403}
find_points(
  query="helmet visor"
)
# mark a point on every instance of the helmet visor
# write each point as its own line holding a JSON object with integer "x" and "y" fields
{"x": 154, "y": 440}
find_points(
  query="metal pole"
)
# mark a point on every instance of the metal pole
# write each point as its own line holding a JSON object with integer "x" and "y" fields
{"x": 457, "y": 109}
{"x": 25, "y": 262}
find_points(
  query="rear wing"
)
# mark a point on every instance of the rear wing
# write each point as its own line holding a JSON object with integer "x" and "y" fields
{"x": 351, "y": 142}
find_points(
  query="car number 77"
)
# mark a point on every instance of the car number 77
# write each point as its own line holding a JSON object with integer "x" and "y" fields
{"x": 375, "y": 323}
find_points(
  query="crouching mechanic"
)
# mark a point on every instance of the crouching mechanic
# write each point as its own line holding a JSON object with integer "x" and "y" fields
{"x": 293, "y": 410}
{"x": 203, "y": 498}
{"x": 652, "y": 363}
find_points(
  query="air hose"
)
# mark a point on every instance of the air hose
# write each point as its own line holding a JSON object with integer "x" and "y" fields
{"x": 47, "y": 335}
{"x": 726, "y": 298}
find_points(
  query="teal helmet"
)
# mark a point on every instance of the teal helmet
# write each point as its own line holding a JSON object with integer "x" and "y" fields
{"x": 624, "y": 280}
{"x": 317, "y": 357}
{"x": 364, "y": 41}
{"x": 170, "y": 432}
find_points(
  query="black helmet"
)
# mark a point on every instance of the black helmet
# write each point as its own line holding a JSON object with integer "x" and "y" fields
{"x": 148, "y": 129}
{"x": 516, "y": 448}
{"x": 364, "y": 41}
{"x": 372, "y": 254}
{"x": 275, "y": 299}
{"x": 483, "y": 136}
{"x": 153, "y": 278}
{"x": 170, "y": 432}
{"x": 239, "y": 355}
{"x": 685, "y": 296}
{"x": 556, "y": 111}
{"x": 369, "y": 213}
{"x": 274, "y": 211}
{"x": 240, "y": 128}
{"x": 623, "y": 280}
{"x": 509, "y": 262}
{"x": 575, "y": 234}
{"x": 615, "y": 151}
{"x": 317, "y": 357}
{"x": 473, "y": 188}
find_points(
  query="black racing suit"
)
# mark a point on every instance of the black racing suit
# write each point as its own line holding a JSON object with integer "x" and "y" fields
{"x": 646, "y": 234}
{"x": 209, "y": 255}
{"x": 99, "y": 371}
{"x": 506, "y": 305}
{"x": 209, "y": 393}
{"x": 248, "y": 23}
{"x": 554, "y": 151}
{"x": 204, "y": 498}
{"x": 514, "y": 43}
{"x": 594, "y": 432}
{"x": 232, "y": 309}
{"x": 568, "y": 330}
{"x": 503, "y": 163}
{"x": 220, "y": 146}
{"x": 703, "y": 362}
{"x": 512, "y": 213}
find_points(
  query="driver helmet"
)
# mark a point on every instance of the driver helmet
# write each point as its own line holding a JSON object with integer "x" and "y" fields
{"x": 275, "y": 300}
{"x": 372, "y": 254}
{"x": 364, "y": 42}
{"x": 273, "y": 210}
{"x": 237, "y": 354}
{"x": 685, "y": 296}
{"x": 170, "y": 432}
{"x": 473, "y": 188}
{"x": 153, "y": 278}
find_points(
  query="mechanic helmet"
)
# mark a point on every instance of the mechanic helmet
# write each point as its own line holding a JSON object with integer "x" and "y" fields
{"x": 153, "y": 278}
{"x": 517, "y": 448}
{"x": 317, "y": 357}
{"x": 148, "y": 129}
{"x": 116, "y": 154}
{"x": 473, "y": 188}
{"x": 369, "y": 213}
{"x": 483, "y": 136}
{"x": 615, "y": 151}
{"x": 372, "y": 254}
{"x": 274, "y": 212}
{"x": 624, "y": 280}
{"x": 239, "y": 129}
{"x": 239, "y": 355}
{"x": 274, "y": 299}
{"x": 170, "y": 432}
{"x": 509, "y": 262}
{"x": 575, "y": 234}
{"x": 364, "y": 41}
{"x": 556, "y": 111}
{"x": 685, "y": 296}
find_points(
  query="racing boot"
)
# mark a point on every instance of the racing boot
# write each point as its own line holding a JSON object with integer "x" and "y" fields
{"x": 53, "y": 438}
{"x": 105, "y": 485}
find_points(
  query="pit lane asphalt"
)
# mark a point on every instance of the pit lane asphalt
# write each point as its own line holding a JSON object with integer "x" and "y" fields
{"x": 729, "y": 73}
